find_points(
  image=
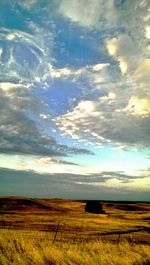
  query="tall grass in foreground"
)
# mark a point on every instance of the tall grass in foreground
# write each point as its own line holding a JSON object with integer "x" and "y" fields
{"x": 19, "y": 248}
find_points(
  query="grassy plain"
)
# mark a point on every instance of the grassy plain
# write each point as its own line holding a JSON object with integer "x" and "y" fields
{"x": 54, "y": 231}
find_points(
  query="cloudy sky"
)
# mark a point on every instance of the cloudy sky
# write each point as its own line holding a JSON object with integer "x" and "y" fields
{"x": 75, "y": 99}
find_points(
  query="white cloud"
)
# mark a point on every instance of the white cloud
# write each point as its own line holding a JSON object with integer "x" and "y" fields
{"x": 89, "y": 13}
{"x": 139, "y": 106}
{"x": 128, "y": 48}
{"x": 114, "y": 106}
{"x": 92, "y": 71}
{"x": 123, "y": 65}
{"x": 133, "y": 61}
{"x": 24, "y": 134}
{"x": 99, "y": 66}
{"x": 1, "y": 51}
{"x": 85, "y": 107}
{"x": 7, "y": 86}
{"x": 121, "y": 115}
{"x": 60, "y": 73}
{"x": 102, "y": 122}
{"x": 111, "y": 45}
{"x": 147, "y": 32}
{"x": 27, "y": 4}
{"x": 142, "y": 75}
{"x": 44, "y": 116}
{"x": 126, "y": 51}
{"x": 10, "y": 36}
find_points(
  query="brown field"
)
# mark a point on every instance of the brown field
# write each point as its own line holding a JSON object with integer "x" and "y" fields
{"x": 55, "y": 231}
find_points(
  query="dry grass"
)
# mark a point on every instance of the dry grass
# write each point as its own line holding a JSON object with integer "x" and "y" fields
{"x": 20, "y": 248}
{"x": 27, "y": 230}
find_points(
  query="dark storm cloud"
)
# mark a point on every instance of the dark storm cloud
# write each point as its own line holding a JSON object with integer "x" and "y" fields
{"x": 29, "y": 183}
{"x": 121, "y": 176}
{"x": 73, "y": 178}
{"x": 105, "y": 176}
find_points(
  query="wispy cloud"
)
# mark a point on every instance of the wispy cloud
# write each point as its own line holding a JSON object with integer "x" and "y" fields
{"x": 54, "y": 100}
{"x": 20, "y": 133}
{"x": 25, "y": 65}
{"x": 26, "y": 59}
{"x": 120, "y": 111}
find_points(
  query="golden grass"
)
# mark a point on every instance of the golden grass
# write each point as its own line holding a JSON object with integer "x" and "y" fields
{"x": 27, "y": 231}
{"x": 37, "y": 248}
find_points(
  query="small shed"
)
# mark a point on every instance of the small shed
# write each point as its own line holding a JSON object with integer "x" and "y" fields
{"x": 94, "y": 207}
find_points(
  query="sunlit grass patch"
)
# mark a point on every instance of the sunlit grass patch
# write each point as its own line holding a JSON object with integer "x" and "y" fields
{"x": 20, "y": 248}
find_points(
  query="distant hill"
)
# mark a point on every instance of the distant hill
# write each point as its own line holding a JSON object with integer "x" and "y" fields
{"x": 8, "y": 204}
{"x": 28, "y": 204}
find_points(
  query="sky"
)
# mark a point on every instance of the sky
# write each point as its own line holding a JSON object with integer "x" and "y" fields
{"x": 75, "y": 99}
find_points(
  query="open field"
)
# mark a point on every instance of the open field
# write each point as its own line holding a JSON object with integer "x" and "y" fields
{"x": 28, "y": 232}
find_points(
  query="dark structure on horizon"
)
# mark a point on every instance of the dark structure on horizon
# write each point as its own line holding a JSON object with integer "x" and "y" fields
{"x": 94, "y": 207}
